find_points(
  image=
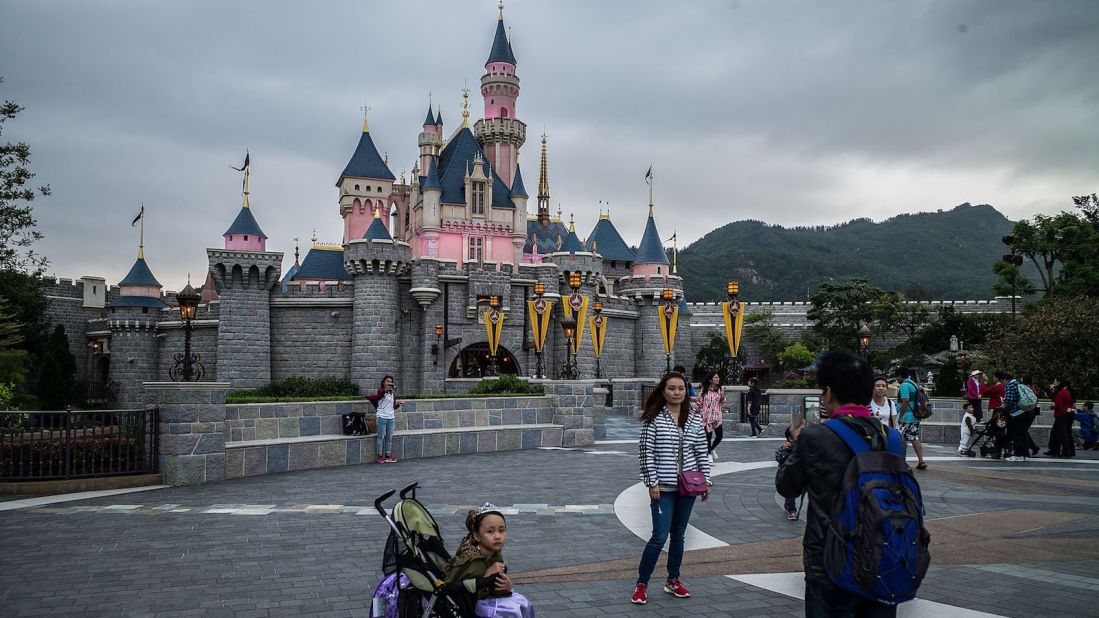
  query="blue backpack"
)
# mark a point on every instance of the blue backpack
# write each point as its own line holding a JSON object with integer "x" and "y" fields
{"x": 876, "y": 544}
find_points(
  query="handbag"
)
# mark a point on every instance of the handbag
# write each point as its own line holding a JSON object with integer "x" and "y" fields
{"x": 690, "y": 482}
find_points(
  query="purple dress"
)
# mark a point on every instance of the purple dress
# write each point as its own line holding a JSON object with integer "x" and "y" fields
{"x": 514, "y": 606}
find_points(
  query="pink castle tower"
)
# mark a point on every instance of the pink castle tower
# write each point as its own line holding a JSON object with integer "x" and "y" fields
{"x": 499, "y": 132}
{"x": 366, "y": 185}
{"x": 245, "y": 233}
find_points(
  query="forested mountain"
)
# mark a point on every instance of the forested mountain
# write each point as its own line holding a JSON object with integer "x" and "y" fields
{"x": 939, "y": 255}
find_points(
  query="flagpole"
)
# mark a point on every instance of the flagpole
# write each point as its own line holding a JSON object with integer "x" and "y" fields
{"x": 141, "y": 237}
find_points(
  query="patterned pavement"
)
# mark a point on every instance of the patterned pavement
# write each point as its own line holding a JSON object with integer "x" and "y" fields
{"x": 1011, "y": 540}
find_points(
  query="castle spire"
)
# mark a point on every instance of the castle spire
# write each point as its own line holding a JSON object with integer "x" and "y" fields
{"x": 465, "y": 108}
{"x": 366, "y": 120}
{"x": 543, "y": 187}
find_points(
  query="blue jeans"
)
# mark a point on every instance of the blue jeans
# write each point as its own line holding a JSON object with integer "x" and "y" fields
{"x": 670, "y": 516}
{"x": 384, "y": 442}
{"x": 791, "y": 505}
{"x": 754, "y": 420}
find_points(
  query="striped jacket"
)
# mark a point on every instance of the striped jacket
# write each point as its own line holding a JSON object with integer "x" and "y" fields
{"x": 658, "y": 450}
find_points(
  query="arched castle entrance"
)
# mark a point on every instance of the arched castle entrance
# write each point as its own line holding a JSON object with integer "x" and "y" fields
{"x": 473, "y": 361}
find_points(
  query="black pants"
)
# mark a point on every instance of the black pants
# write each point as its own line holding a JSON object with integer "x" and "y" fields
{"x": 828, "y": 601}
{"x": 1060, "y": 437}
{"x": 1017, "y": 442}
{"x": 713, "y": 438}
{"x": 976, "y": 408}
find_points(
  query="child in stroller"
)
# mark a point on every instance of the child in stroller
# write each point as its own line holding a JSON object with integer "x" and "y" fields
{"x": 416, "y": 566}
{"x": 479, "y": 567}
{"x": 991, "y": 437}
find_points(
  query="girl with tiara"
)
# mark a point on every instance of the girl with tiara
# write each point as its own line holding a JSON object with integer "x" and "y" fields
{"x": 479, "y": 567}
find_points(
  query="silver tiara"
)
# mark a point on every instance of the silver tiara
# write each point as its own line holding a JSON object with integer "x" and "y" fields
{"x": 487, "y": 507}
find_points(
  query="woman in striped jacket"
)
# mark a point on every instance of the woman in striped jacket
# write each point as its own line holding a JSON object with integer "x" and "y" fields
{"x": 672, "y": 438}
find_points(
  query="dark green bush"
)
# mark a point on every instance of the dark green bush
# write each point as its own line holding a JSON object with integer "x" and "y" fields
{"x": 306, "y": 387}
{"x": 507, "y": 383}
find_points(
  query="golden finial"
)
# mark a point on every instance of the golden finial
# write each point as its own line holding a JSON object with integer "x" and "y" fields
{"x": 465, "y": 107}
{"x": 366, "y": 123}
{"x": 387, "y": 158}
{"x": 593, "y": 243}
{"x": 501, "y": 10}
{"x": 572, "y": 222}
{"x": 314, "y": 239}
{"x": 558, "y": 211}
{"x": 543, "y": 175}
{"x": 378, "y": 211}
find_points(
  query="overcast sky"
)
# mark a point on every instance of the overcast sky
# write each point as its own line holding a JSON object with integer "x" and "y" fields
{"x": 796, "y": 113}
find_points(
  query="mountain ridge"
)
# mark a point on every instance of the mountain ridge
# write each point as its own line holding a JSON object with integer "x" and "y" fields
{"x": 942, "y": 255}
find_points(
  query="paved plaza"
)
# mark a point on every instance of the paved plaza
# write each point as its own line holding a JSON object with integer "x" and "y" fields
{"x": 1008, "y": 539}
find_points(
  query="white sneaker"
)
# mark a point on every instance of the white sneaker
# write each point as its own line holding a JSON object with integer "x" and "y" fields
{"x": 713, "y": 457}
{"x": 710, "y": 457}
{"x": 1014, "y": 458}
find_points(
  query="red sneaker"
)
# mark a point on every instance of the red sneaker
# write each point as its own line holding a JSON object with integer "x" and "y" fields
{"x": 381, "y": 459}
{"x": 390, "y": 459}
{"x": 677, "y": 588}
{"x": 640, "y": 596}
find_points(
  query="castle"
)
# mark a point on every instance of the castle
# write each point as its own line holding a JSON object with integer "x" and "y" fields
{"x": 404, "y": 293}
{"x": 416, "y": 256}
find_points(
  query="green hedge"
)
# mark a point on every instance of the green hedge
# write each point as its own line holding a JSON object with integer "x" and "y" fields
{"x": 249, "y": 397}
{"x": 297, "y": 389}
{"x": 507, "y": 383}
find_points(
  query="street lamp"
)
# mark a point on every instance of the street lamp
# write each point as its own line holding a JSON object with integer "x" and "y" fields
{"x": 864, "y": 341}
{"x": 574, "y": 280}
{"x": 187, "y": 367}
{"x": 734, "y": 323}
{"x": 569, "y": 371}
{"x": 435, "y": 346}
{"x": 538, "y": 309}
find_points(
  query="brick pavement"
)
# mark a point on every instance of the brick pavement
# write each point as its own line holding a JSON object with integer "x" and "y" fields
{"x": 71, "y": 559}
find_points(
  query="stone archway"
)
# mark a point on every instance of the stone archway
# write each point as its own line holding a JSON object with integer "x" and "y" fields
{"x": 473, "y": 361}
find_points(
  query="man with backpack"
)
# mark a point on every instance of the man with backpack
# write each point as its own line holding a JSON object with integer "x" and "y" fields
{"x": 1020, "y": 401}
{"x": 842, "y": 463}
{"x": 913, "y": 403}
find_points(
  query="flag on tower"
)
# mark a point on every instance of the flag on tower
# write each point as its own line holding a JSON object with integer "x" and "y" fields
{"x": 139, "y": 217}
{"x": 649, "y": 174}
{"x": 247, "y": 156}
{"x": 672, "y": 239}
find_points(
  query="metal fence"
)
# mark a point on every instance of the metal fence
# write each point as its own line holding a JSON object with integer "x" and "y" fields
{"x": 764, "y": 417}
{"x": 39, "y": 446}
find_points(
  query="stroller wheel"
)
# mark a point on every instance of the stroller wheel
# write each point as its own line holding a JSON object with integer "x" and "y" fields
{"x": 970, "y": 453}
{"x": 984, "y": 451}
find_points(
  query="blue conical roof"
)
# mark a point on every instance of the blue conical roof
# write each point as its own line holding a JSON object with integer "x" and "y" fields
{"x": 517, "y": 188}
{"x": 572, "y": 243}
{"x": 245, "y": 223}
{"x": 366, "y": 162}
{"x": 683, "y": 308}
{"x": 325, "y": 263}
{"x": 377, "y": 231}
{"x": 651, "y": 250}
{"x": 501, "y": 47}
{"x": 456, "y": 158}
{"x": 430, "y": 117}
{"x": 140, "y": 275}
{"x": 439, "y": 117}
{"x": 607, "y": 242}
{"x": 431, "y": 180}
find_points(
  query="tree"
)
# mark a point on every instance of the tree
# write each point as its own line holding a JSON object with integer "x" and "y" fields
{"x": 760, "y": 328}
{"x": 1057, "y": 337}
{"x": 797, "y": 356}
{"x": 1063, "y": 247}
{"x": 17, "y": 223}
{"x": 13, "y": 369}
{"x": 57, "y": 380}
{"x": 841, "y": 307}
{"x": 714, "y": 356}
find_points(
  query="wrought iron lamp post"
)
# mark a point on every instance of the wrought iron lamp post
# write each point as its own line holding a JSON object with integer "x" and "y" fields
{"x": 733, "y": 324}
{"x": 187, "y": 367}
{"x": 1016, "y": 261}
{"x": 569, "y": 371}
{"x": 864, "y": 341}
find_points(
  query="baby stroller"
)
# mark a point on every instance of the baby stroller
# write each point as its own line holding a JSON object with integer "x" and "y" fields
{"x": 414, "y": 564}
{"x": 990, "y": 438}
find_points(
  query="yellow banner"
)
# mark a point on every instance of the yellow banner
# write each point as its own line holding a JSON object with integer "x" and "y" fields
{"x": 669, "y": 321}
{"x": 577, "y": 303}
{"x": 733, "y": 312}
{"x": 494, "y": 321}
{"x": 598, "y": 333}
{"x": 540, "y": 311}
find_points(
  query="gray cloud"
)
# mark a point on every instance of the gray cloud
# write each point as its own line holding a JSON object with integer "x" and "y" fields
{"x": 792, "y": 113}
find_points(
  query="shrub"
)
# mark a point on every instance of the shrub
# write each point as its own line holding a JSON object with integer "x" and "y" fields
{"x": 507, "y": 383}
{"x": 306, "y": 387}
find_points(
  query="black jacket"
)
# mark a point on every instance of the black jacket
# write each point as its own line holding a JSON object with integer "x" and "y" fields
{"x": 817, "y": 464}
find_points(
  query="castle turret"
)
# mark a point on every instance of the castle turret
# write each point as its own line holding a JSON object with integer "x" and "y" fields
{"x": 651, "y": 258}
{"x": 366, "y": 184}
{"x": 500, "y": 133}
{"x": 374, "y": 262}
{"x": 245, "y": 234}
{"x": 132, "y": 319}
{"x": 431, "y": 138}
{"x": 519, "y": 221}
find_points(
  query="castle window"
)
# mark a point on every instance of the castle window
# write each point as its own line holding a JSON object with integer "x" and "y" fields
{"x": 477, "y": 200}
{"x": 356, "y": 187}
{"x": 246, "y": 237}
{"x": 503, "y": 112}
{"x": 230, "y": 237}
{"x": 476, "y": 248}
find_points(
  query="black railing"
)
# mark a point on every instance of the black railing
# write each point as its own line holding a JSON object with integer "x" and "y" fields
{"x": 764, "y": 417}
{"x": 40, "y": 446}
{"x": 646, "y": 390}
